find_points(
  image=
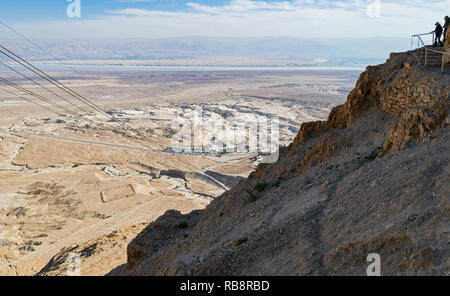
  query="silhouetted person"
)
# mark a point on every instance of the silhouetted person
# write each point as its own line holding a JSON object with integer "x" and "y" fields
{"x": 438, "y": 35}
{"x": 446, "y": 25}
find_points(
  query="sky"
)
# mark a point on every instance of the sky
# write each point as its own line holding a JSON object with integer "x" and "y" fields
{"x": 223, "y": 18}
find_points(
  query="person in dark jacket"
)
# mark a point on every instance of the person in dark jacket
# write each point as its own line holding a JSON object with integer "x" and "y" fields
{"x": 446, "y": 25}
{"x": 438, "y": 35}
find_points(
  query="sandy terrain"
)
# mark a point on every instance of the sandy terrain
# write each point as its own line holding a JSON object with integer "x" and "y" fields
{"x": 66, "y": 181}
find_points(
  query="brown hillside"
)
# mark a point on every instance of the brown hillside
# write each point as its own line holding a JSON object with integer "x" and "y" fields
{"x": 372, "y": 178}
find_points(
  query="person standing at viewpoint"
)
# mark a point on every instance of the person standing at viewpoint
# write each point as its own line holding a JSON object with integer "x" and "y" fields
{"x": 446, "y": 25}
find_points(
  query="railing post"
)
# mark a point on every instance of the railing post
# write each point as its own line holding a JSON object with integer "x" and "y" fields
{"x": 426, "y": 57}
{"x": 421, "y": 55}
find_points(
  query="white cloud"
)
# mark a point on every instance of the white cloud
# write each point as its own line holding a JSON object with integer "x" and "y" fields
{"x": 244, "y": 6}
{"x": 237, "y": 18}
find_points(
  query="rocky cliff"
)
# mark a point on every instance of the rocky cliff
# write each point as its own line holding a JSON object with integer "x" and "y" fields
{"x": 373, "y": 178}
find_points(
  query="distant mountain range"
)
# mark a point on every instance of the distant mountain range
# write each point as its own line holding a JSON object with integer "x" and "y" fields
{"x": 210, "y": 47}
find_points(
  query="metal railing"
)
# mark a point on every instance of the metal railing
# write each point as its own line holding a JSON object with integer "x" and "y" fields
{"x": 424, "y": 49}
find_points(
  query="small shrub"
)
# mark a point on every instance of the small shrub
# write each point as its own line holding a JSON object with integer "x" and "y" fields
{"x": 183, "y": 225}
{"x": 252, "y": 195}
{"x": 373, "y": 155}
{"x": 259, "y": 187}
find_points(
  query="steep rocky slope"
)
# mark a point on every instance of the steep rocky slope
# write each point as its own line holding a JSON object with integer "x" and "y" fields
{"x": 93, "y": 253}
{"x": 374, "y": 177}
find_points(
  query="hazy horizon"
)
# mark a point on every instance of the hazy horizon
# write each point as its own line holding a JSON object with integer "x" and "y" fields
{"x": 305, "y": 30}
{"x": 195, "y": 47}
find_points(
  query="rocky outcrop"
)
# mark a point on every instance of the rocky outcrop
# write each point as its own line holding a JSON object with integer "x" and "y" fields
{"x": 90, "y": 254}
{"x": 373, "y": 178}
{"x": 414, "y": 126}
{"x": 170, "y": 226}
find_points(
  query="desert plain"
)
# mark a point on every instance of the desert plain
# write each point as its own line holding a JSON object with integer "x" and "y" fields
{"x": 89, "y": 183}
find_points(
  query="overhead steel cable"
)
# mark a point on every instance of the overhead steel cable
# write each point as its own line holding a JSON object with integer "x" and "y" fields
{"x": 29, "y": 100}
{"x": 43, "y": 50}
{"x": 9, "y": 83}
{"x": 49, "y": 102}
{"x": 42, "y": 86}
{"x": 50, "y": 79}
{"x": 61, "y": 86}
{"x": 102, "y": 111}
{"x": 17, "y": 33}
{"x": 29, "y": 92}
{"x": 39, "y": 97}
{"x": 40, "y": 48}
